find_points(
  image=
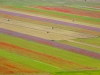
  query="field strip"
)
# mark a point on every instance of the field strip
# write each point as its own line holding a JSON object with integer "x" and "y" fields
{"x": 35, "y": 32}
{"x": 51, "y": 25}
{"x": 68, "y": 11}
{"x": 45, "y": 64}
{"x": 52, "y": 51}
{"x": 85, "y": 44}
{"x": 70, "y": 34}
{"x": 91, "y": 8}
{"x": 85, "y": 47}
{"x": 51, "y": 43}
{"x": 51, "y": 21}
{"x": 34, "y": 14}
{"x": 50, "y": 17}
{"x": 85, "y": 8}
{"x": 44, "y": 57}
{"x": 29, "y": 74}
{"x": 11, "y": 67}
{"x": 29, "y": 62}
{"x": 92, "y": 41}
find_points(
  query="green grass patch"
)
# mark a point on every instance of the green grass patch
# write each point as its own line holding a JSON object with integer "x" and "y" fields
{"x": 26, "y": 2}
{"x": 29, "y": 62}
{"x": 79, "y": 45}
{"x": 93, "y": 41}
{"x": 89, "y": 20}
{"x": 79, "y": 73}
{"x": 84, "y": 8}
{"x": 87, "y": 61}
{"x": 50, "y": 2}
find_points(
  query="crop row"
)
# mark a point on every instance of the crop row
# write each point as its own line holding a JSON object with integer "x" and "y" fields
{"x": 51, "y": 43}
{"x": 11, "y": 67}
{"x": 71, "y": 11}
{"x": 49, "y": 50}
{"x": 93, "y": 41}
{"x": 89, "y": 20}
{"x": 28, "y": 61}
{"x": 68, "y": 65}
{"x": 51, "y": 21}
{"x": 50, "y": 24}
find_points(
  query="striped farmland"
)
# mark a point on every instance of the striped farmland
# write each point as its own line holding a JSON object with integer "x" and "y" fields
{"x": 51, "y": 43}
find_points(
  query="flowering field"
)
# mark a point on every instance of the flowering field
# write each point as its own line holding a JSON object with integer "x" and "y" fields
{"x": 33, "y": 54}
{"x": 58, "y": 14}
{"x": 49, "y": 37}
{"x": 71, "y": 11}
{"x": 10, "y": 67}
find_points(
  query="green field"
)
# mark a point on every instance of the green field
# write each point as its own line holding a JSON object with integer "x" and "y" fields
{"x": 51, "y": 51}
{"x": 89, "y": 20}
{"x": 94, "y": 41}
{"x": 30, "y": 62}
{"x": 84, "y": 8}
{"x": 90, "y": 48}
{"x": 79, "y": 73}
{"x": 51, "y": 2}
{"x": 25, "y": 2}
{"x": 19, "y": 56}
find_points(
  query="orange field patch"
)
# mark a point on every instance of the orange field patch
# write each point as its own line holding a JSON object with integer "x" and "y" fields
{"x": 68, "y": 65}
{"x": 10, "y": 67}
{"x": 59, "y": 9}
{"x": 71, "y": 11}
{"x": 96, "y": 6}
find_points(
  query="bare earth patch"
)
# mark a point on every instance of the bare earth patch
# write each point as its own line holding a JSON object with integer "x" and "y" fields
{"x": 41, "y": 31}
